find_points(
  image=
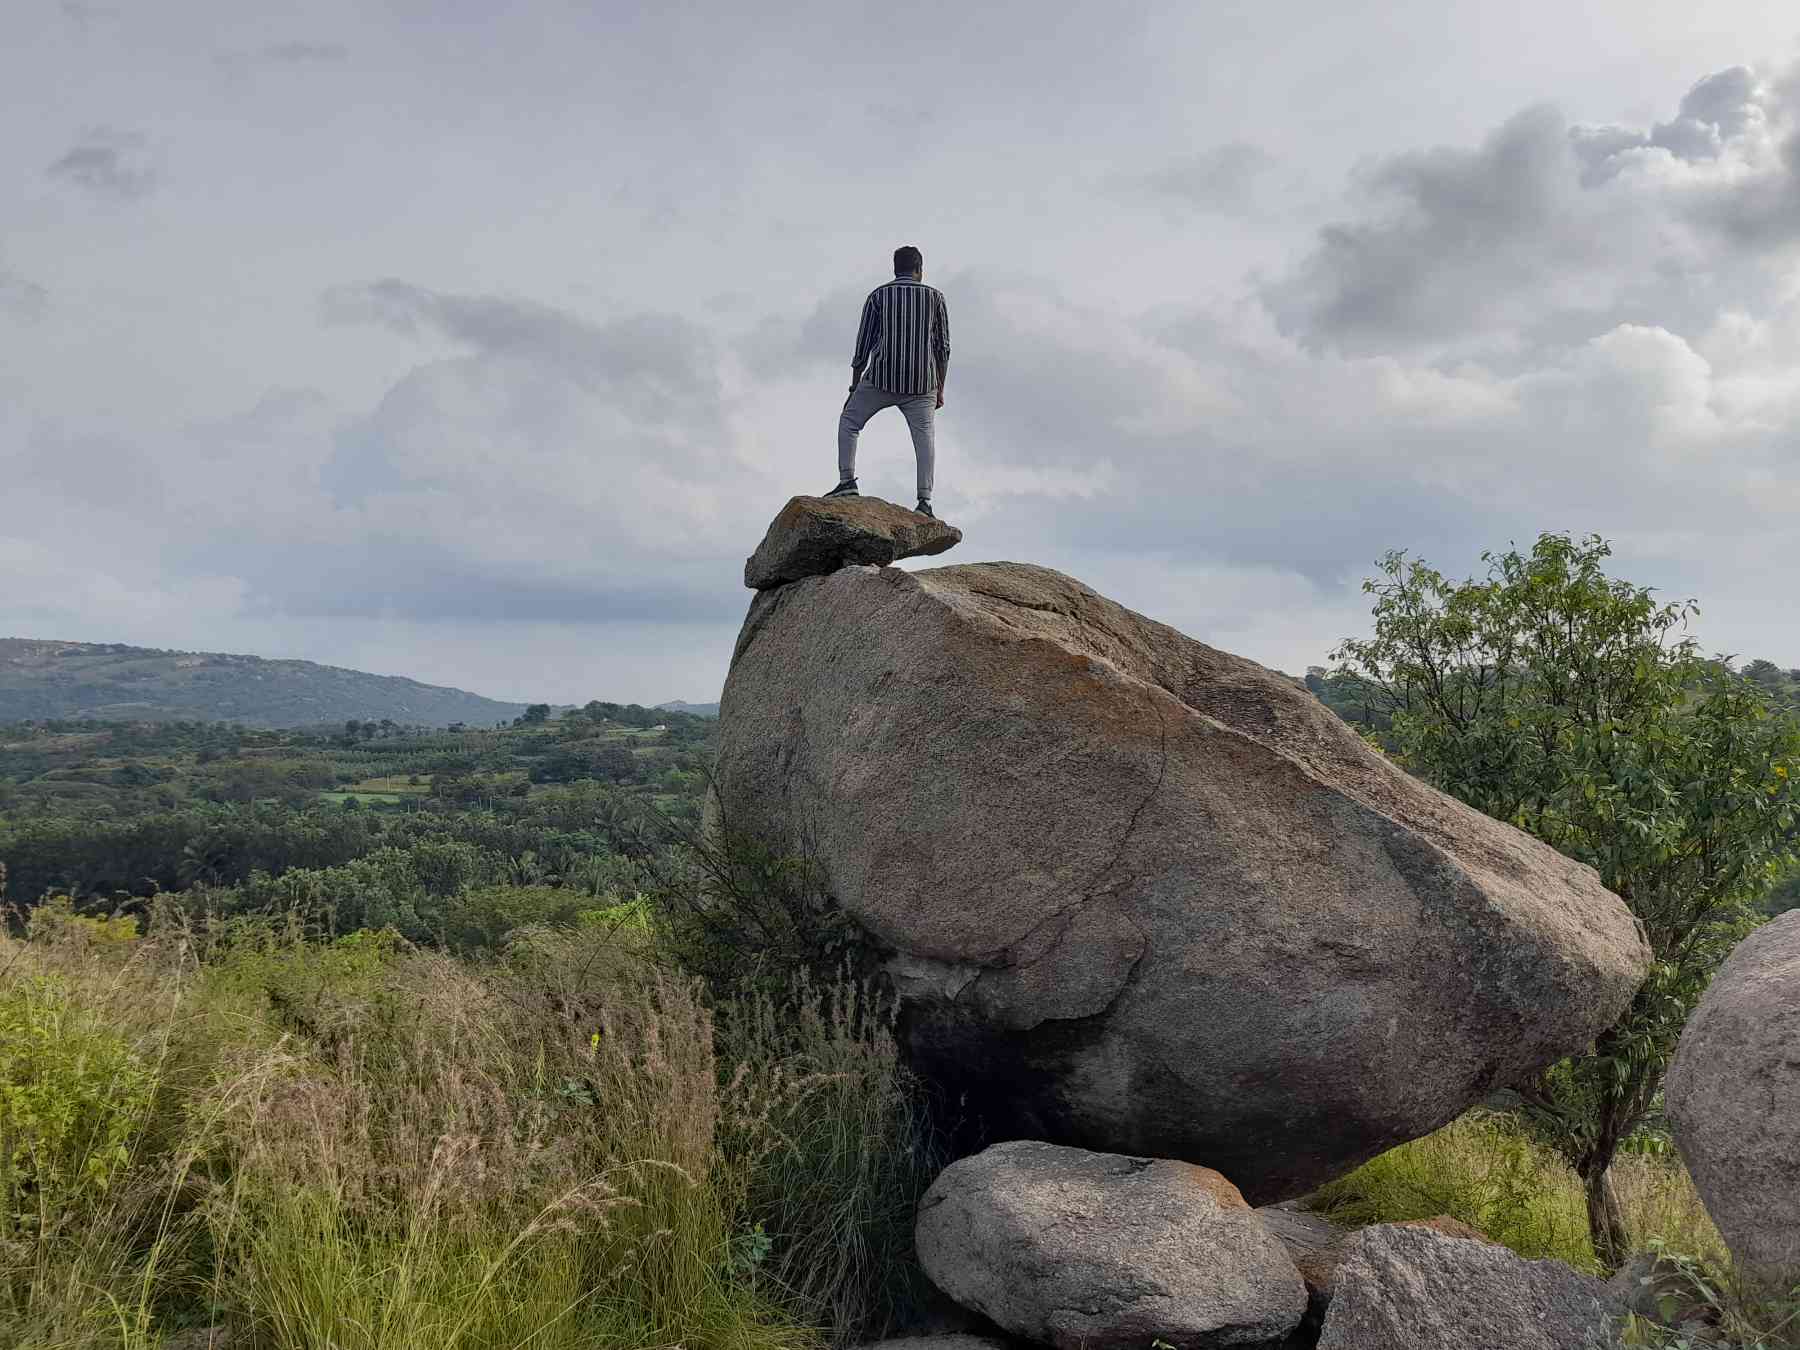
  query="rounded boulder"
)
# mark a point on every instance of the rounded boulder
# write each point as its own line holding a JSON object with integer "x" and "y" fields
{"x": 1141, "y": 895}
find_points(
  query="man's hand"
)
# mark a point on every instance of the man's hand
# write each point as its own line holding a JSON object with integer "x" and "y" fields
{"x": 855, "y": 378}
{"x": 940, "y": 398}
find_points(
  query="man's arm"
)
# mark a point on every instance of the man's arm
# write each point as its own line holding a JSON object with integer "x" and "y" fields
{"x": 866, "y": 334}
{"x": 940, "y": 345}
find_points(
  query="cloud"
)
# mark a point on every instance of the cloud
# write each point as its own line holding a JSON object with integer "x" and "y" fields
{"x": 1552, "y": 325}
{"x": 22, "y": 299}
{"x": 108, "y": 163}
{"x": 1222, "y": 180}
{"x": 549, "y": 464}
{"x": 85, "y": 16}
{"x": 1546, "y": 232}
{"x": 655, "y": 364}
{"x": 1716, "y": 111}
{"x": 292, "y": 53}
{"x": 305, "y": 53}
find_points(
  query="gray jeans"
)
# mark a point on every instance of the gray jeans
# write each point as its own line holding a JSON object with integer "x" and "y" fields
{"x": 920, "y": 411}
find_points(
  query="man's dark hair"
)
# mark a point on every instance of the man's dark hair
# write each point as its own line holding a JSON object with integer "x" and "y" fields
{"x": 907, "y": 260}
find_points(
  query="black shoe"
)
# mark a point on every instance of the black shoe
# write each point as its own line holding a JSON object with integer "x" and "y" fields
{"x": 924, "y": 509}
{"x": 847, "y": 488}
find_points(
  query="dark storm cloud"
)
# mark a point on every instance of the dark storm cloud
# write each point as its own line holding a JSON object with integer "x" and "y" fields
{"x": 1451, "y": 232}
{"x": 1222, "y": 179}
{"x": 1546, "y": 234}
{"x": 108, "y": 163}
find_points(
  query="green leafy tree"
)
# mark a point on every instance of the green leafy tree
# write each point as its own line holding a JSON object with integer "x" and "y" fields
{"x": 1573, "y": 705}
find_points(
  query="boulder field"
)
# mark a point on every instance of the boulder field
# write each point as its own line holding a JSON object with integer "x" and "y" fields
{"x": 1143, "y": 896}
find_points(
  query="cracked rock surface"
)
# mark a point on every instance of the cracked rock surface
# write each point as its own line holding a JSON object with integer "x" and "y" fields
{"x": 1141, "y": 895}
{"x": 1075, "y": 1249}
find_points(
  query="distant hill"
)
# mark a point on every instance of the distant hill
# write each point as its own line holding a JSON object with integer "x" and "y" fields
{"x": 692, "y": 709}
{"x": 43, "y": 679}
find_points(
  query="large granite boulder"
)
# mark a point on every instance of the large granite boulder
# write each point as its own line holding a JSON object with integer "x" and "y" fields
{"x": 1411, "y": 1288}
{"x": 1733, "y": 1097}
{"x": 1138, "y": 894}
{"x": 814, "y": 536}
{"x": 1094, "y": 1251}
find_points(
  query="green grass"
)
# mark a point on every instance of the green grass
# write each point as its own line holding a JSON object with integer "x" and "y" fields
{"x": 363, "y": 1145}
{"x": 398, "y": 784}
{"x": 1488, "y": 1171}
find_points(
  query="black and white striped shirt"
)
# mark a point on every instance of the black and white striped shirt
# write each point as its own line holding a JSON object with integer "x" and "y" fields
{"x": 904, "y": 337}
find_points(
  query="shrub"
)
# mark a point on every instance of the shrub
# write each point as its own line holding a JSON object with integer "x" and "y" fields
{"x": 480, "y": 920}
{"x": 72, "y": 1094}
{"x": 361, "y": 1144}
{"x": 1741, "y": 1317}
{"x": 837, "y": 1153}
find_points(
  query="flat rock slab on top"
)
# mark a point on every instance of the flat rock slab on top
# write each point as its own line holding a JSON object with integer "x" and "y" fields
{"x": 815, "y": 536}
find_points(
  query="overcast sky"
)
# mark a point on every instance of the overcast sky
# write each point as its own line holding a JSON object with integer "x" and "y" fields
{"x": 479, "y": 343}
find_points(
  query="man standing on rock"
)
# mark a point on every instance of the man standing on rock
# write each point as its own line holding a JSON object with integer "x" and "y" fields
{"x": 902, "y": 356}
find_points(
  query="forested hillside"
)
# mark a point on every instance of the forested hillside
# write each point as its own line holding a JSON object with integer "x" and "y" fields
{"x": 368, "y": 825}
{"x": 46, "y": 679}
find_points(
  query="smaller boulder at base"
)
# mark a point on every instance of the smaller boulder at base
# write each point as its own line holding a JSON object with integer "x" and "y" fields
{"x": 1316, "y": 1246}
{"x": 1411, "y": 1287}
{"x": 1733, "y": 1097}
{"x": 1075, "y": 1249}
{"x": 815, "y": 536}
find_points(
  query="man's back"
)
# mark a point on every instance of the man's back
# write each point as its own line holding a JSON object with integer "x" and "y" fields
{"x": 904, "y": 337}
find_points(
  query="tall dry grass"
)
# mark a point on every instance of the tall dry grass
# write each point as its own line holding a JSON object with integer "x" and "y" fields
{"x": 365, "y": 1146}
{"x": 835, "y": 1150}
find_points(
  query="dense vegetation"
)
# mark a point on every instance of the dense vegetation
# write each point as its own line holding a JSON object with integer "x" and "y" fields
{"x": 443, "y": 835}
{"x": 1366, "y": 705}
{"x": 387, "y": 1036}
{"x": 40, "y": 679}
{"x": 1571, "y": 705}
{"x": 364, "y": 1144}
